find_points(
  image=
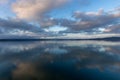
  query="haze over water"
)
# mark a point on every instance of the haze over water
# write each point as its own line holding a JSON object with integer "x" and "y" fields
{"x": 60, "y": 60}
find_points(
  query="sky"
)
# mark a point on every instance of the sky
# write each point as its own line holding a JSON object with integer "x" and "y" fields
{"x": 60, "y": 17}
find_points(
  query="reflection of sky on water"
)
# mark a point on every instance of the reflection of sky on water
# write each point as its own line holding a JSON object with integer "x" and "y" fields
{"x": 56, "y": 50}
{"x": 59, "y": 60}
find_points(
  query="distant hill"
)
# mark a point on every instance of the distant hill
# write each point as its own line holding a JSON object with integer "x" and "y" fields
{"x": 107, "y": 39}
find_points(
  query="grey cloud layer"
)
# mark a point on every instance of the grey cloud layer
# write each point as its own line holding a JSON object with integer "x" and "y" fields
{"x": 87, "y": 20}
{"x": 12, "y": 24}
{"x": 114, "y": 28}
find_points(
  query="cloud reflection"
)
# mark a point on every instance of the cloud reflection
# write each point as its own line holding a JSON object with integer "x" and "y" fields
{"x": 42, "y": 60}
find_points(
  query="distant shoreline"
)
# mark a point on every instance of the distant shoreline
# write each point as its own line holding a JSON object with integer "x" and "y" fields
{"x": 57, "y": 39}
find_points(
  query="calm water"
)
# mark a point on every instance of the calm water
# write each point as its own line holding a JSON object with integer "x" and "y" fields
{"x": 60, "y": 60}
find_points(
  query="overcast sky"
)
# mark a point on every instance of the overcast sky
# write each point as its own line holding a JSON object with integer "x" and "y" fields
{"x": 49, "y": 17}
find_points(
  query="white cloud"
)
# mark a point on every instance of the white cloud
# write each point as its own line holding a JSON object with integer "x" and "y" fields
{"x": 35, "y": 9}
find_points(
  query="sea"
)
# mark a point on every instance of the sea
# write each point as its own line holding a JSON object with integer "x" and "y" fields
{"x": 60, "y": 60}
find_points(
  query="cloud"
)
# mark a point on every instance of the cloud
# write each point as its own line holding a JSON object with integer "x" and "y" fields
{"x": 88, "y": 20}
{"x": 113, "y": 28}
{"x": 3, "y": 1}
{"x": 9, "y": 25}
{"x": 85, "y": 20}
{"x": 38, "y": 11}
{"x": 35, "y": 9}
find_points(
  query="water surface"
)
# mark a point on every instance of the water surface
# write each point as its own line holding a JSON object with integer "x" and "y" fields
{"x": 60, "y": 60}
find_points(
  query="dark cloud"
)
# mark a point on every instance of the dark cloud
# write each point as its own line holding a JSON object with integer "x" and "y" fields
{"x": 114, "y": 28}
{"x": 8, "y": 25}
{"x": 86, "y": 20}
